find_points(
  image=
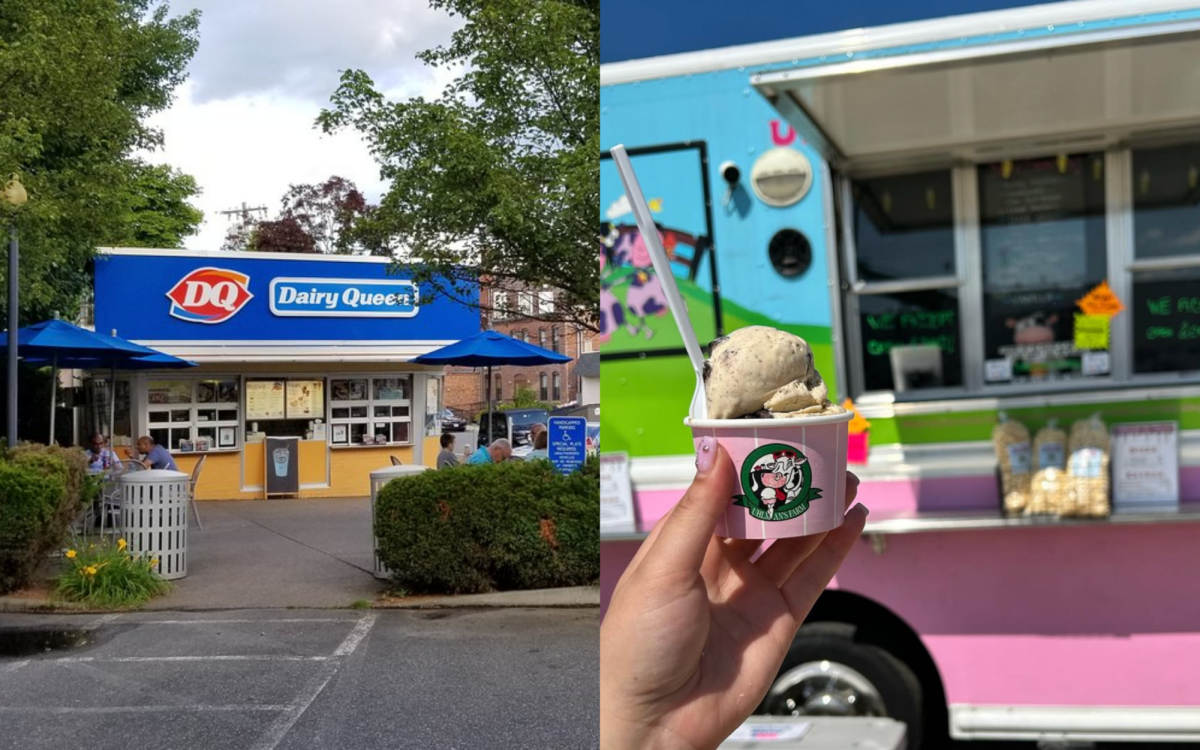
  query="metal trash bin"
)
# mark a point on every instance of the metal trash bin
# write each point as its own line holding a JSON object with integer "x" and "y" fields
{"x": 379, "y": 478}
{"x": 154, "y": 518}
{"x": 817, "y": 733}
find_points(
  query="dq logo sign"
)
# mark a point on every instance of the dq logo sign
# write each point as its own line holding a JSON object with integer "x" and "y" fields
{"x": 209, "y": 295}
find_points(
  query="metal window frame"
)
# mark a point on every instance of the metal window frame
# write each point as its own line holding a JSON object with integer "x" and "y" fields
{"x": 854, "y": 288}
{"x": 1122, "y": 266}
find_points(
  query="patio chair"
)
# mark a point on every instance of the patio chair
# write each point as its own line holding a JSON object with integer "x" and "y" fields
{"x": 195, "y": 479}
{"x": 396, "y": 461}
{"x": 110, "y": 494}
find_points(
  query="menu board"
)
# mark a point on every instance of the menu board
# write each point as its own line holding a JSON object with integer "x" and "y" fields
{"x": 1043, "y": 245}
{"x": 1145, "y": 466}
{"x": 1166, "y": 322}
{"x": 305, "y": 399}
{"x": 265, "y": 399}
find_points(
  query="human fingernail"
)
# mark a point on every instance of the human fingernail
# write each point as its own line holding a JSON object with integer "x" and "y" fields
{"x": 706, "y": 455}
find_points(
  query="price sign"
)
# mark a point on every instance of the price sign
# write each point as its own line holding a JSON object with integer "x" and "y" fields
{"x": 1145, "y": 466}
{"x": 616, "y": 494}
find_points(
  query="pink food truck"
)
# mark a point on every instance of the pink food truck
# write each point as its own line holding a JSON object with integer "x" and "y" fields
{"x": 969, "y": 216}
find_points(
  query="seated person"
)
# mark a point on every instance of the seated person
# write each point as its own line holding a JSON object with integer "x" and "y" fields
{"x": 446, "y": 458}
{"x": 541, "y": 444}
{"x": 154, "y": 456}
{"x": 498, "y": 452}
{"x": 100, "y": 456}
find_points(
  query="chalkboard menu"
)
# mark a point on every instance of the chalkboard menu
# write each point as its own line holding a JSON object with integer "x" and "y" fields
{"x": 1166, "y": 321}
{"x": 1044, "y": 246}
{"x": 890, "y": 321}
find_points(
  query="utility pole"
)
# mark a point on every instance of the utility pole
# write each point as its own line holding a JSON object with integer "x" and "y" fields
{"x": 244, "y": 212}
{"x": 243, "y": 224}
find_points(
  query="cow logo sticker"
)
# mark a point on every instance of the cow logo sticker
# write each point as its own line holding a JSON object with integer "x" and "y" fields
{"x": 777, "y": 481}
{"x": 209, "y": 295}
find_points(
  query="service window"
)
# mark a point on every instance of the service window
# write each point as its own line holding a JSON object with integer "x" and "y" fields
{"x": 904, "y": 282}
{"x": 1043, "y": 246}
{"x": 183, "y": 410}
{"x": 1166, "y": 245}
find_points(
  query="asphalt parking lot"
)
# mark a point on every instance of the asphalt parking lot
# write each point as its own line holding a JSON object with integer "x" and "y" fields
{"x": 268, "y": 679}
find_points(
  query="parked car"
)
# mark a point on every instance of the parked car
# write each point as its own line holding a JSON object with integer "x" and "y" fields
{"x": 451, "y": 422}
{"x": 513, "y": 424}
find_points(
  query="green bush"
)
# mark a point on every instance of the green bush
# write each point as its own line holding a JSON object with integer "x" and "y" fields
{"x": 32, "y": 502}
{"x": 493, "y": 527}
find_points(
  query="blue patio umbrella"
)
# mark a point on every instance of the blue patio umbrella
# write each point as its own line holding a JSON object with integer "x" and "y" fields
{"x": 60, "y": 344}
{"x": 490, "y": 349}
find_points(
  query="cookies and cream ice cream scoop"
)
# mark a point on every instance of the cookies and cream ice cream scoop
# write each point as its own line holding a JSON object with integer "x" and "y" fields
{"x": 763, "y": 372}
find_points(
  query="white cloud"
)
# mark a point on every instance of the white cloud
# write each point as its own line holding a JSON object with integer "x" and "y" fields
{"x": 243, "y": 124}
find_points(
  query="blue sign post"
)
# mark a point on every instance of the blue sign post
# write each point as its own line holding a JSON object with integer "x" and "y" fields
{"x": 567, "y": 443}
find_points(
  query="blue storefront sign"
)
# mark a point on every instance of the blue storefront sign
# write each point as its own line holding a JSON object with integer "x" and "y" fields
{"x": 187, "y": 296}
{"x": 343, "y": 298}
{"x": 567, "y": 443}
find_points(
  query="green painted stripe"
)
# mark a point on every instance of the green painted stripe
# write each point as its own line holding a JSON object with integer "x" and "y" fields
{"x": 977, "y": 425}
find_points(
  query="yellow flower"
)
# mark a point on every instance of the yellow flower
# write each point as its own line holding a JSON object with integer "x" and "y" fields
{"x": 122, "y": 544}
{"x": 90, "y": 570}
{"x": 71, "y": 554}
{"x": 153, "y": 561}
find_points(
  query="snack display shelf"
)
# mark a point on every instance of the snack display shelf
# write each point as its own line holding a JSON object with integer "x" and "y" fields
{"x": 912, "y": 522}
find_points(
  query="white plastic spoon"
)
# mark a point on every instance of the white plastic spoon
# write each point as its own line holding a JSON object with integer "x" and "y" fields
{"x": 662, "y": 267}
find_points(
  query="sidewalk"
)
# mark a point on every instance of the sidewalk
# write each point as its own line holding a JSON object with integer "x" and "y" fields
{"x": 261, "y": 554}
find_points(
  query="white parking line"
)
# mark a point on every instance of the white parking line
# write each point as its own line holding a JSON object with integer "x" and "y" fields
{"x": 275, "y": 734}
{"x": 360, "y": 631}
{"x": 134, "y": 709}
{"x": 12, "y": 666}
{"x": 101, "y": 621}
{"x": 243, "y": 657}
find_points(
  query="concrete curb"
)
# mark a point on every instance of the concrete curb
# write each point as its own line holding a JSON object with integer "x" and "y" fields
{"x": 579, "y": 597}
{"x": 575, "y": 597}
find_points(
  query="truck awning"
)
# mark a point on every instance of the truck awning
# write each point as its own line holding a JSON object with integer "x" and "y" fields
{"x": 1080, "y": 91}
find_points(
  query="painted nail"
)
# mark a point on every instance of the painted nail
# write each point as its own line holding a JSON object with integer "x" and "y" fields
{"x": 706, "y": 454}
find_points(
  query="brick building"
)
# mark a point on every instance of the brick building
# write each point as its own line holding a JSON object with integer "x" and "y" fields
{"x": 514, "y": 313}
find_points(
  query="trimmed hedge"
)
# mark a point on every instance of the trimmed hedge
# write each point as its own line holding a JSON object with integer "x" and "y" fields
{"x": 42, "y": 489}
{"x": 495, "y": 527}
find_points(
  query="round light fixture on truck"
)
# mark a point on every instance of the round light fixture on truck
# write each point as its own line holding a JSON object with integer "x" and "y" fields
{"x": 781, "y": 177}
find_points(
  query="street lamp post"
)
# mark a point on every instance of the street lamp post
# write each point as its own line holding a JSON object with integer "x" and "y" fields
{"x": 14, "y": 195}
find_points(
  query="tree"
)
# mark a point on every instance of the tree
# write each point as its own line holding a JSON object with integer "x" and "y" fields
{"x": 157, "y": 212}
{"x": 78, "y": 80}
{"x": 329, "y": 217}
{"x": 285, "y": 235}
{"x": 498, "y": 179}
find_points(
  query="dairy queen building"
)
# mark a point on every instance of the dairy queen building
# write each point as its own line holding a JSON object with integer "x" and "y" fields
{"x": 315, "y": 348}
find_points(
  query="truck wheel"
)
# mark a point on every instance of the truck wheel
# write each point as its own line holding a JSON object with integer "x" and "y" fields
{"x": 828, "y": 673}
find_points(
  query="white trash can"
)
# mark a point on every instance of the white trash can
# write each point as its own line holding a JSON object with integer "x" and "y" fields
{"x": 379, "y": 478}
{"x": 154, "y": 518}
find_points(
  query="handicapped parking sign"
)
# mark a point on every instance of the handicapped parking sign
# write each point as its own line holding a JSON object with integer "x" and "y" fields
{"x": 567, "y": 443}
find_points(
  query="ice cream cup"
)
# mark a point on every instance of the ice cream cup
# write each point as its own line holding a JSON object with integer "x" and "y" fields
{"x": 791, "y": 474}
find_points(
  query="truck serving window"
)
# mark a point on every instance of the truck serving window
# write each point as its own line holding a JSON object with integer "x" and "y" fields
{"x": 1166, "y": 245}
{"x": 904, "y": 283}
{"x": 968, "y": 281}
{"x": 1043, "y": 247}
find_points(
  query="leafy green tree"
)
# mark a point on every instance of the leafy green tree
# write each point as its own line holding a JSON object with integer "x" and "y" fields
{"x": 498, "y": 179}
{"x": 78, "y": 82}
{"x": 158, "y": 213}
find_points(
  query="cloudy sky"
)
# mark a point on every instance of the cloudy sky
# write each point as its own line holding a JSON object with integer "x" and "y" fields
{"x": 242, "y": 125}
